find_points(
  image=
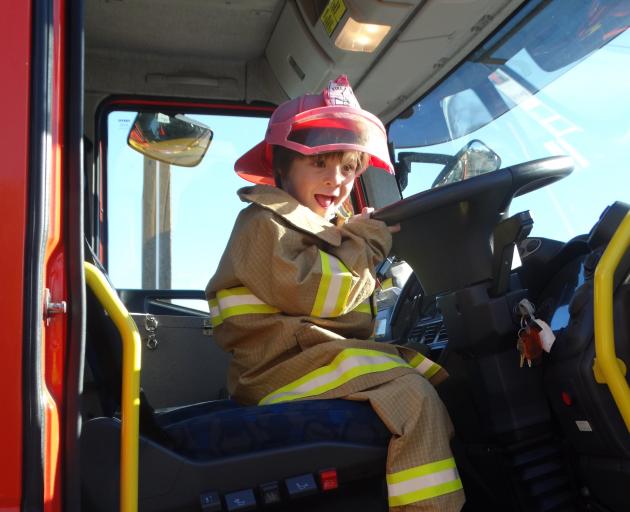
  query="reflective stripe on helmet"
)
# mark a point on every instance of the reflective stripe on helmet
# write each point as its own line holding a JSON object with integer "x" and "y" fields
{"x": 334, "y": 287}
{"x": 347, "y": 365}
{"x": 425, "y": 366}
{"x": 237, "y": 301}
{"x": 423, "y": 482}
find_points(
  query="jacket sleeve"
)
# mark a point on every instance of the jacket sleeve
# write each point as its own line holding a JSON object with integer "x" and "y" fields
{"x": 287, "y": 269}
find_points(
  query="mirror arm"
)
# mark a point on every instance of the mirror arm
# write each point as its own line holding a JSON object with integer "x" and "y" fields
{"x": 428, "y": 158}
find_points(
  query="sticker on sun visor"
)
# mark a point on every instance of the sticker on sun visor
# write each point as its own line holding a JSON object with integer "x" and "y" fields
{"x": 333, "y": 12}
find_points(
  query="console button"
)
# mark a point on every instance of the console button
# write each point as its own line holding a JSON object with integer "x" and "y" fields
{"x": 270, "y": 493}
{"x": 302, "y": 485}
{"x": 240, "y": 501}
{"x": 210, "y": 502}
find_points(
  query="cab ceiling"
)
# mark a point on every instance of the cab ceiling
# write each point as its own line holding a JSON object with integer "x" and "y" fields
{"x": 236, "y": 49}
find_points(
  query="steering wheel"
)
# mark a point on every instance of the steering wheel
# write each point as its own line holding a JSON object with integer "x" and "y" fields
{"x": 503, "y": 184}
{"x": 447, "y": 231}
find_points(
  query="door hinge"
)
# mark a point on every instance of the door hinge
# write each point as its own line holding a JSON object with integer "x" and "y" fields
{"x": 53, "y": 308}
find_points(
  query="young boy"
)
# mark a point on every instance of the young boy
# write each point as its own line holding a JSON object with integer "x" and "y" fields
{"x": 291, "y": 297}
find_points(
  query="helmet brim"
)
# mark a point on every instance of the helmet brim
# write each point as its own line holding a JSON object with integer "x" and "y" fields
{"x": 255, "y": 165}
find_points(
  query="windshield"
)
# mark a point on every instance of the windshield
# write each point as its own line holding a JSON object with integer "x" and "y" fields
{"x": 554, "y": 81}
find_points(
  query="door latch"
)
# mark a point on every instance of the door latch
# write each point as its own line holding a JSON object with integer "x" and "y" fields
{"x": 53, "y": 308}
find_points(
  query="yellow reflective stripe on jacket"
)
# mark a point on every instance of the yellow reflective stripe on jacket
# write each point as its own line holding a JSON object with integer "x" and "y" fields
{"x": 364, "y": 307}
{"x": 425, "y": 366}
{"x": 237, "y": 301}
{"x": 423, "y": 482}
{"x": 215, "y": 313}
{"x": 347, "y": 365}
{"x": 334, "y": 287}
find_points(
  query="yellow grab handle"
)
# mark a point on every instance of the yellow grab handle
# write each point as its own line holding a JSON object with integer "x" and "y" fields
{"x": 606, "y": 359}
{"x": 130, "y": 400}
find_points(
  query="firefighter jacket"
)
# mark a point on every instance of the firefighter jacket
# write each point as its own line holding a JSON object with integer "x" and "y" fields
{"x": 291, "y": 301}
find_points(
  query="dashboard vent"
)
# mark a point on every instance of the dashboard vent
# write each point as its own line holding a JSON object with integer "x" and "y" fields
{"x": 429, "y": 331}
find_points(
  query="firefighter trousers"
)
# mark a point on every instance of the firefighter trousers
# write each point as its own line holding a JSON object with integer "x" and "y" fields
{"x": 421, "y": 473}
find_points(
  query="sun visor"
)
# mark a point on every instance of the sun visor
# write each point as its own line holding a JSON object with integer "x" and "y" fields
{"x": 298, "y": 62}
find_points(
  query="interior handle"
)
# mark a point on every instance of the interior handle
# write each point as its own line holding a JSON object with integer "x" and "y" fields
{"x": 130, "y": 400}
{"x": 605, "y": 357}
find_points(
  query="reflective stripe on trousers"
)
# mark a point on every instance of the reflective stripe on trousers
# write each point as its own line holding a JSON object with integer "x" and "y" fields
{"x": 347, "y": 365}
{"x": 423, "y": 482}
{"x": 425, "y": 366}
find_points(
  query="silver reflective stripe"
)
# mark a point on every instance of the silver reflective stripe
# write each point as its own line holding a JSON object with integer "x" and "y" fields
{"x": 334, "y": 287}
{"x": 424, "y": 366}
{"x": 339, "y": 274}
{"x": 238, "y": 300}
{"x": 215, "y": 312}
{"x": 235, "y": 302}
{"x": 347, "y": 365}
{"x": 422, "y": 482}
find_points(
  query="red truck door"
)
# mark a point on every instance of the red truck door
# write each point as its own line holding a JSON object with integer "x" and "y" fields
{"x": 15, "y": 30}
{"x": 40, "y": 197}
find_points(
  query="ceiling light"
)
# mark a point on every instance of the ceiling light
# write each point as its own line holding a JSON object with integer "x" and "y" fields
{"x": 361, "y": 37}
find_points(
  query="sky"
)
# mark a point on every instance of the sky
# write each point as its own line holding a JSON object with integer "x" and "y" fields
{"x": 584, "y": 113}
{"x": 203, "y": 201}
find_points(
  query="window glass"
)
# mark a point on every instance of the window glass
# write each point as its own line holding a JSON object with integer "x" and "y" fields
{"x": 554, "y": 81}
{"x": 189, "y": 209}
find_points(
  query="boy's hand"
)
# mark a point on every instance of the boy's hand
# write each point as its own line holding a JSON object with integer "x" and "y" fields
{"x": 366, "y": 213}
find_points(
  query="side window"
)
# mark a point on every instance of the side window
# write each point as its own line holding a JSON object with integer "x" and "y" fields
{"x": 167, "y": 226}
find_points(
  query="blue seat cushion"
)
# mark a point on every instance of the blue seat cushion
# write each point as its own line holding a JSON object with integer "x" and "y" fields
{"x": 224, "y": 428}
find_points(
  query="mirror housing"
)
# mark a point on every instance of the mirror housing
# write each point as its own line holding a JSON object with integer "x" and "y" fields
{"x": 474, "y": 159}
{"x": 173, "y": 139}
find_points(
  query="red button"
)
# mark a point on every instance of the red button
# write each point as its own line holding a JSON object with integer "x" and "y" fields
{"x": 328, "y": 479}
{"x": 566, "y": 398}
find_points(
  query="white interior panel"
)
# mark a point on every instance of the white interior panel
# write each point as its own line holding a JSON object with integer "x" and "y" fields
{"x": 134, "y": 73}
{"x": 296, "y": 59}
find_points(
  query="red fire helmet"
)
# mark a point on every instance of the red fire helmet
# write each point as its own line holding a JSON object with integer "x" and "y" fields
{"x": 318, "y": 123}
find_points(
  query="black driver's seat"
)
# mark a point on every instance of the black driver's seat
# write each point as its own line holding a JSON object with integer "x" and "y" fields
{"x": 221, "y": 447}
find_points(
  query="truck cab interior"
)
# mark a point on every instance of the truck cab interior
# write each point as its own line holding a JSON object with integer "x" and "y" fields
{"x": 508, "y": 127}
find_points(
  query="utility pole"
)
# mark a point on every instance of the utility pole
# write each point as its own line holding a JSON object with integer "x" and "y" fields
{"x": 156, "y": 225}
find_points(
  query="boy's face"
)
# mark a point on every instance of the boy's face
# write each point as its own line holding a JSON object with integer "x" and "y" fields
{"x": 320, "y": 182}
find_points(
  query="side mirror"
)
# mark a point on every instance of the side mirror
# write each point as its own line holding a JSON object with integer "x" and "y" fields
{"x": 173, "y": 139}
{"x": 474, "y": 159}
{"x": 406, "y": 158}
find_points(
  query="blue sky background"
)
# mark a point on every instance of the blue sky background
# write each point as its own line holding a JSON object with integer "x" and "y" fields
{"x": 203, "y": 201}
